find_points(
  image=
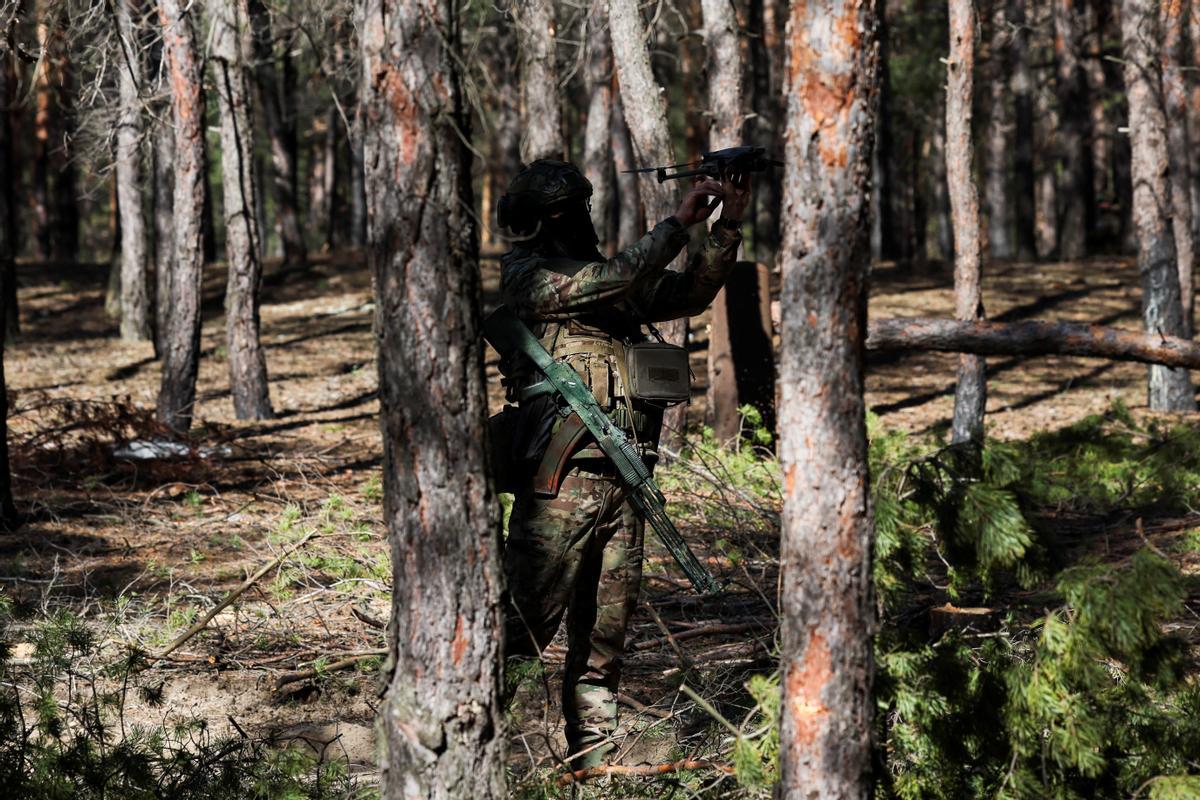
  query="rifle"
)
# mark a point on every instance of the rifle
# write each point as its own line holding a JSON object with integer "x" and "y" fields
{"x": 718, "y": 164}
{"x": 508, "y": 334}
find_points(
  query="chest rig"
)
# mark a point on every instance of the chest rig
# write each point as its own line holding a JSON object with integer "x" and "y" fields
{"x": 632, "y": 378}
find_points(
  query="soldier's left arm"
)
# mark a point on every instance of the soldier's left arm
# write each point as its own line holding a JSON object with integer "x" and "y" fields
{"x": 671, "y": 295}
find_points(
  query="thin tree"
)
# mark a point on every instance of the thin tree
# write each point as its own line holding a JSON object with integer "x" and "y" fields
{"x": 645, "y": 108}
{"x": 998, "y": 140}
{"x": 628, "y": 204}
{"x": 827, "y": 604}
{"x": 726, "y": 110}
{"x": 1162, "y": 311}
{"x": 766, "y": 56}
{"x": 164, "y": 213}
{"x": 597, "y": 138}
{"x": 441, "y": 721}
{"x": 8, "y": 202}
{"x": 541, "y": 102}
{"x": 970, "y": 395}
{"x": 1024, "y": 177}
{"x": 247, "y": 363}
{"x": 181, "y": 336}
{"x": 1077, "y": 216}
{"x": 277, "y": 97}
{"x": 135, "y": 289}
{"x": 1174, "y": 16}
{"x": 8, "y": 242}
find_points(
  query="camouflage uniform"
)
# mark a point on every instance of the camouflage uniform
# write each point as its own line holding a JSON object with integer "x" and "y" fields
{"x": 581, "y": 552}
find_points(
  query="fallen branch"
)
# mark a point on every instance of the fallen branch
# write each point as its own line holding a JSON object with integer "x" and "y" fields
{"x": 580, "y": 775}
{"x": 642, "y": 708}
{"x": 201, "y": 623}
{"x": 333, "y": 666}
{"x": 694, "y": 633}
{"x": 1032, "y": 338}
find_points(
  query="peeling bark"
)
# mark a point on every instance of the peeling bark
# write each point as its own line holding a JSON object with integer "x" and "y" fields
{"x": 441, "y": 722}
{"x": 828, "y": 609}
{"x": 1162, "y": 311}
{"x": 970, "y": 395}
{"x": 247, "y": 363}
{"x": 1031, "y": 338}
{"x": 1173, "y": 15}
{"x": 135, "y": 290}
{"x": 541, "y": 102}
{"x": 181, "y": 335}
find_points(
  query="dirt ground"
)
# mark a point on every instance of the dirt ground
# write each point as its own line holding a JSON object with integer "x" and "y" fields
{"x": 142, "y": 547}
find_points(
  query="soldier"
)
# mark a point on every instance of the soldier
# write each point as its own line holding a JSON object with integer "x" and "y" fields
{"x": 574, "y": 545}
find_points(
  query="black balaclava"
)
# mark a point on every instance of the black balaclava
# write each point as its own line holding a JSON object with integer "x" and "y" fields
{"x": 572, "y": 233}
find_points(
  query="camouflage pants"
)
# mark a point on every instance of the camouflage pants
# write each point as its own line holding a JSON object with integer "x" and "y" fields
{"x": 579, "y": 553}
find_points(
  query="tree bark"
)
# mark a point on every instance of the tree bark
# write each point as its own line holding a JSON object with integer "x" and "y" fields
{"x": 1077, "y": 203}
{"x": 247, "y": 363}
{"x": 645, "y": 108}
{"x": 441, "y": 721}
{"x": 597, "y": 137}
{"x": 181, "y": 338}
{"x": 628, "y": 205}
{"x": 970, "y": 395}
{"x": 828, "y": 609}
{"x": 1174, "y": 17}
{"x": 998, "y": 141}
{"x": 1024, "y": 178}
{"x": 541, "y": 102}
{"x": 56, "y": 216}
{"x": 277, "y": 97}
{"x": 164, "y": 214}
{"x": 322, "y": 178}
{"x": 135, "y": 290}
{"x": 8, "y": 201}
{"x": 1031, "y": 338}
{"x": 766, "y": 54}
{"x": 725, "y": 107}
{"x": 1162, "y": 311}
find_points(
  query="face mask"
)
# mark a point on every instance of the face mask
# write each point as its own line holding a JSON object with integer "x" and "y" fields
{"x": 574, "y": 233}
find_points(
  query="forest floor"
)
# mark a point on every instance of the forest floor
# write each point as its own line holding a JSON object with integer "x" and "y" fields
{"x": 142, "y": 547}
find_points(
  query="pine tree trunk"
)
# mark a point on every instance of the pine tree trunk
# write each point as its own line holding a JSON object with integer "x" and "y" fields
{"x": 597, "y": 137}
{"x": 1162, "y": 311}
{"x": 164, "y": 214}
{"x": 725, "y": 104}
{"x": 1174, "y": 17}
{"x": 277, "y": 97}
{"x": 827, "y": 605}
{"x": 939, "y": 192}
{"x": 766, "y": 55}
{"x": 322, "y": 176}
{"x": 441, "y": 720}
{"x": 541, "y": 103}
{"x": 8, "y": 205}
{"x": 1024, "y": 178}
{"x": 998, "y": 141}
{"x": 1076, "y": 217}
{"x": 358, "y": 191}
{"x": 628, "y": 205}
{"x": 970, "y": 395}
{"x": 1046, "y": 147}
{"x": 1107, "y": 24}
{"x": 247, "y": 362}
{"x": 135, "y": 289}
{"x": 181, "y": 337}
{"x": 62, "y": 212}
{"x": 645, "y": 109}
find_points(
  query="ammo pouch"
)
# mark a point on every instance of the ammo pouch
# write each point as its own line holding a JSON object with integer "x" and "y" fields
{"x": 658, "y": 372}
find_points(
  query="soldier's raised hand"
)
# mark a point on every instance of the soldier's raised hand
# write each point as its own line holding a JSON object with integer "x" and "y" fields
{"x": 695, "y": 206}
{"x": 735, "y": 196}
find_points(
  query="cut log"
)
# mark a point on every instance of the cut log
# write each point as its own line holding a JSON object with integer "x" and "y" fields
{"x": 1032, "y": 338}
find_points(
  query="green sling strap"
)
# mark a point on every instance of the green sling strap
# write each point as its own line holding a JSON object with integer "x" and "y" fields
{"x": 508, "y": 334}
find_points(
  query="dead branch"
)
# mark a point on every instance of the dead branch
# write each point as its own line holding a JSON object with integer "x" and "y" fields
{"x": 709, "y": 630}
{"x": 580, "y": 775}
{"x": 334, "y": 666}
{"x": 1032, "y": 338}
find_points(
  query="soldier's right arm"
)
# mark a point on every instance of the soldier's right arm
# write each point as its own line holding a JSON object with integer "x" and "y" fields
{"x": 538, "y": 288}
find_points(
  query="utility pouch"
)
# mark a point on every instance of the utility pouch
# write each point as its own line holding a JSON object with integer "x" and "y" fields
{"x": 659, "y": 372}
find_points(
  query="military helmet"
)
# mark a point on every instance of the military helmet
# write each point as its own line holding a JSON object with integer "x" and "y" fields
{"x": 535, "y": 192}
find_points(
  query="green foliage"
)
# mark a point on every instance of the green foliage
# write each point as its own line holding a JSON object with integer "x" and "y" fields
{"x": 64, "y": 736}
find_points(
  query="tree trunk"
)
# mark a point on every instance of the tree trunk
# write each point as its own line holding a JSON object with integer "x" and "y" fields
{"x": 10, "y": 245}
{"x": 939, "y": 192}
{"x": 1174, "y": 15}
{"x": 645, "y": 108}
{"x": 1169, "y": 389}
{"x": 970, "y": 395}
{"x": 827, "y": 604}
{"x": 441, "y": 720}
{"x": 628, "y": 205}
{"x": 597, "y": 137}
{"x": 358, "y": 191}
{"x": 322, "y": 179}
{"x": 164, "y": 215}
{"x": 1031, "y": 338}
{"x": 998, "y": 141}
{"x": 278, "y": 102}
{"x": 135, "y": 289}
{"x": 541, "y": 103}
{"x": 766, "y": 54}
{"x": 1077, "y": 203}
{"x": 725, "y": 106}
{"x": 1046, "y": 149}
{"x": 247, "y": 363}
{"x": 181, "y": 337}
{"x": 1024, "y": 178}
{"x": 56, "y": 217}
